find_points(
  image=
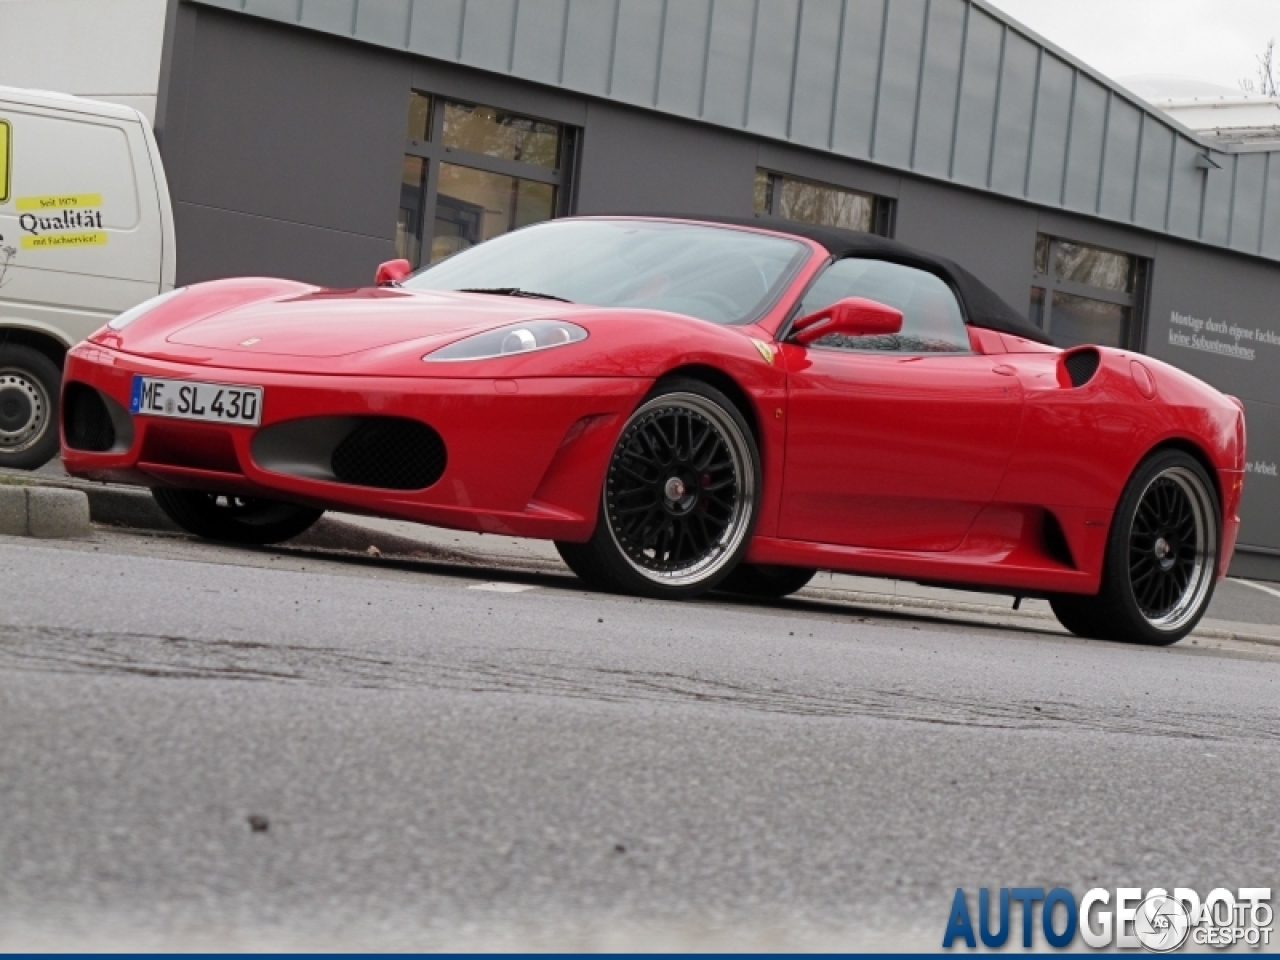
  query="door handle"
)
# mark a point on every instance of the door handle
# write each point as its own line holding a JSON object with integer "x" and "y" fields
{"x": 1005, "y": 370}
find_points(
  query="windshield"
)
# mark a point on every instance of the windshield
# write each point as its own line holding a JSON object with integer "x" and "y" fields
{"x": 712, "y": 273}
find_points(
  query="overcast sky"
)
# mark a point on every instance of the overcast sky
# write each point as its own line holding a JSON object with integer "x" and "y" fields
{"x": 1215, "y": 40}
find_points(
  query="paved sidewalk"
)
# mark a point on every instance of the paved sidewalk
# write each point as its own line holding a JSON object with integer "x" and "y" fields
{"x": 1241, "y": 610}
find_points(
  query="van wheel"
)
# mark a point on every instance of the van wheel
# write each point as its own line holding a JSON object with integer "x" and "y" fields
{"x": 29, "y": 385}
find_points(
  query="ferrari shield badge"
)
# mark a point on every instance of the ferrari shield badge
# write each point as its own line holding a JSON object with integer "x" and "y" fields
{"x": 766, "y": 350}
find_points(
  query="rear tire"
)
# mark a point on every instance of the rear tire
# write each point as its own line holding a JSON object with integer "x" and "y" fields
{"x": 235, "y": 519}
{"x": 29, "y": 389}
{"x": 1161, "y": 562}
{"x": 766, "y": 581}
{"x": 679, "y": 500}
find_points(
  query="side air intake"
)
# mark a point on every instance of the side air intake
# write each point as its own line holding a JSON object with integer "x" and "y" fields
{"x": 390, "y": 453}
{"x": 1082, "y": 365}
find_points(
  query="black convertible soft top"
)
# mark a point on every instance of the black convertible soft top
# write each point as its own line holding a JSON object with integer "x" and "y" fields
{"x": 983, "y": 307}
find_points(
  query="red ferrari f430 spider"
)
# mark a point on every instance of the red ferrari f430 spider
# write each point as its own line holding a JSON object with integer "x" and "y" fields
{"x": 682, "y": 406}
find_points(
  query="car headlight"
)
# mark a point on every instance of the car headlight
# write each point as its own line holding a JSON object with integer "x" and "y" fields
{"x": 146, "y": 306}
{"x": 512, "y": 339}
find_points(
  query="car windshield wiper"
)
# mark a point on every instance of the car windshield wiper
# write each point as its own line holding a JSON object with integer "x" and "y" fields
{"x": 514, "y": 292}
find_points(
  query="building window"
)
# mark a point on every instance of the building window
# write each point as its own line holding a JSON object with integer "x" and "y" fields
{"x": 1082, "y": 294}
{"x": 473, "y": 172}
{"x": 821, "y": 203}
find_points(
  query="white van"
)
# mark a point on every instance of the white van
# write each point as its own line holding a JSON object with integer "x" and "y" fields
{"x": 86, "y": 232}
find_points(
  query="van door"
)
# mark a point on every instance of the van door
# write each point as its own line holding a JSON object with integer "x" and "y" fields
{"x": 81, "y": 240}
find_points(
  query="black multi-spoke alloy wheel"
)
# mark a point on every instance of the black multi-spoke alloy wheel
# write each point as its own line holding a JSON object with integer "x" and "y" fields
{"x": 234, "y": 519}
{"x": 680, "y": 497}
{"x": 1161, "y": 561}
{"x": 29, "y": 385}
{"x": 766, "y": 581}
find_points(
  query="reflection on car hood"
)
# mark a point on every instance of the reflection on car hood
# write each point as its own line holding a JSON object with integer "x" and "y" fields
{"x": 335, "y": 323}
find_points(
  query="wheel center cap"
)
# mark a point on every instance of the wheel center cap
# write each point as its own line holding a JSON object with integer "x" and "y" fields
{"x": 15, "y": 410}
{"x": 1161, "y": 548}
{"x": 674, "y": 489}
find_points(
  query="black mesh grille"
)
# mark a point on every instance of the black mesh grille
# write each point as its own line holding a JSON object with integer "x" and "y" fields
{"x": 1081, "y": 366}
{"x": 85, "y": 420}
{"x": 390, "y": 453}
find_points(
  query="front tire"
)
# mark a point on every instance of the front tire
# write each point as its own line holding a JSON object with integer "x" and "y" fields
{"x": 765, "y": 581}
{"x": 680, "y": 497}
{"x": 230, "y": 519}
{"x": 29, "y": 386}
{"x": 1161, "y": 561}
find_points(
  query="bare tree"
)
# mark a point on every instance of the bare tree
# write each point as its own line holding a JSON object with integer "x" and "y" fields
{"x": 1266, "y": 84}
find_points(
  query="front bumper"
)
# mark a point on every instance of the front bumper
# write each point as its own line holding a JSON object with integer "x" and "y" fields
{"x": 525, "y": 457}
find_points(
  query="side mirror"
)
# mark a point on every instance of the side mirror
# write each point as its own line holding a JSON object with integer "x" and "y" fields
{"x": 852, "y": 317}
{"x": 392, "y": 272}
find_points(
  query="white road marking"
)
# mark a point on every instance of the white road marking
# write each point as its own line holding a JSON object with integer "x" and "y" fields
{"x": 1257, "y": 586}
{"x": 502, "y": 587}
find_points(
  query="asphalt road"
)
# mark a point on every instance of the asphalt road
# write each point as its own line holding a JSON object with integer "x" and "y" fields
{"x": 439, "y": 757}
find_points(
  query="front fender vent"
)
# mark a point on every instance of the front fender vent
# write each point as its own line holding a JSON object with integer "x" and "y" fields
{"x": 1082, "y": 365}
{"x": 390, "y": 453}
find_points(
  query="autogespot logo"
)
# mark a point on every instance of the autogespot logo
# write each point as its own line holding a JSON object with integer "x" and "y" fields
{"x": 1156, "y": 920}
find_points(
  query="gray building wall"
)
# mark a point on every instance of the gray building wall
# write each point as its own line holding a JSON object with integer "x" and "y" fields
{"x": 284, "y": 146}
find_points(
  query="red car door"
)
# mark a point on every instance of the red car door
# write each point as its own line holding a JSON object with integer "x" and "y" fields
{"x": 893, "y": 442}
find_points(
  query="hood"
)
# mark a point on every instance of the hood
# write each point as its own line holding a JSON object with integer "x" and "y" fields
{"x": 281, "y": 326}
{"x": 339, "y": 323}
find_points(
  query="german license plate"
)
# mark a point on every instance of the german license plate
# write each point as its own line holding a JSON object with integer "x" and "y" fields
{"x": 193, "y": 400}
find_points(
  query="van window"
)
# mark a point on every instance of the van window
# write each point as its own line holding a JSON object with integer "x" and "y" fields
{"x": 5, "y": 155}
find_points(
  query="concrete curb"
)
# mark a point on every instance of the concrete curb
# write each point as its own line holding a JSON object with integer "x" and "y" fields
{"x": 49, "y": 513}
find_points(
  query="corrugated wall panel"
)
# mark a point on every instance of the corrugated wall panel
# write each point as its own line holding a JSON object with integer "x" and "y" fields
{"x": 1246, "y": 204}
{"x": 588, "y": 49}
{"x": 1215, "y": 215}
{"x": 951, "y": 89}
{"x": 540, "y": 30}
{"x": 939, "y": 87}
{"x": 488, "y": 28}
{"x": 724, "y": 98}
{"x": 1185, "y": 189}
{"x": 684, "y": 56}
{"x": 1051, "y": 125}
{"x": 436, "y": 29}
{"x": 332, "y": 16}
{"x": 772, "y": 67}
{"x": 1151, "y": 201}
{"x": 899, "y": 81}
{"x": 1120, "y": 164}
{"x": 975, "y": 118}
{"x": 1271, "y": 218}
{"x": 817, "y": 59}
{"x": 385, "y": 23}
{"x": 286, "y": 10}
{"x": 855, "y": 107}
{"x": 635, "y": 62}
{"x": 1013, "y": 119}
{"x": 1084, "y": 152}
